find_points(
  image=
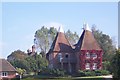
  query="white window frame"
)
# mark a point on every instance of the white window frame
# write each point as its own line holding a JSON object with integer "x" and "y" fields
{"x": 60, "y": 57}
{"x": 94, "y": 66}
{"x": 87, "y": 66}
{"x": 4, "y": 74}
{"x": 87, "y": 55}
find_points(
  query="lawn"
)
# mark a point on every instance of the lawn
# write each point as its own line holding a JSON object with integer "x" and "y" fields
{"x": 63, "y": 78}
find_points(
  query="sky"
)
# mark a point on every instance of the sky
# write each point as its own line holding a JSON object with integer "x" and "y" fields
{"x": 20, "y": 20}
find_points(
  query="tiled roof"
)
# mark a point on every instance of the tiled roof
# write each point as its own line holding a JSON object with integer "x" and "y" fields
{"x": 60, "y": 44}
{"x": 6, "y": 66}
{"x": 87, "y": 42}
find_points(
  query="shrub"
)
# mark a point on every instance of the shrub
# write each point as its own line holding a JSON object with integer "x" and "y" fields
{"x": 98, "y": 72}
{"x": 105, "y": 72}
{"x": 53, "y": 72}
{"x": 93, "y": 73}
{"x": 81, "y": 73}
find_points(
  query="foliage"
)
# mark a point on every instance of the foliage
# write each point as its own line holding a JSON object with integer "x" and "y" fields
{"x": 105, "y": 43}
{"x": 53, "y": 72}
{"x": 106, "y": 65}
{"x": 21, "y": 71}
{"x": 116, "y": 64}
{"x": 29, "y": 63}
{"x": 20, "y": 64}
{"x": 18, "y": 54}
{"x": 44, "y": 38}
{"x": 92, "y": 72}
{"x": 72, "y": 37}
{"x": 104, "y": 72}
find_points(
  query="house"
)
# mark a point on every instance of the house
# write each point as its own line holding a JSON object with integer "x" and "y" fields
{"x": 87, "y": 54}
{"x": 61, "y": 54}
{"x": 88, "y": 51}
{"x": 7, "y": 71}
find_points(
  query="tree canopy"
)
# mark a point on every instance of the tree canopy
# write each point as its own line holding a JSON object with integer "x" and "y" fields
{"x": 44, "y": 38}
{"x": 105, "y": 43}
{"x": 17, "y": 54}
{"x": 29, "y": 63}
{"x": 116, "y": 64}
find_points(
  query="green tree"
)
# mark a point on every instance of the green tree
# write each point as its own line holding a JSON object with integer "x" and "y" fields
{"x": 16, "y": 55}
{"x": 29, "y": 63}
{"x": 115, "y": 63}
{"x": 44, "y": 38}
{"x": 23, "y": 64}
{"x": 21, "y": 71}
{"x": 72, "y": 37}
{"x": 105, "y": 43}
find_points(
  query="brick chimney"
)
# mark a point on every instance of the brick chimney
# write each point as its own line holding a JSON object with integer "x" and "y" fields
{"x": 33, "y": 49}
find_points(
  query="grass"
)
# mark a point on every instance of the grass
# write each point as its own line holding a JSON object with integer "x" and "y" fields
{"x": 63, "y": 78}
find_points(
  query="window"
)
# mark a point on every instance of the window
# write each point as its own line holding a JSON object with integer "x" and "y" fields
{"x": 66, "y": 55}
{"x": 60, "y": 57}
{"x": 87, "y": 66}
{"x": 94, "y": 65}
{"x": 4, "y": 74}
{"x": 87, "y": 55}
{"x": 94, "y": 55}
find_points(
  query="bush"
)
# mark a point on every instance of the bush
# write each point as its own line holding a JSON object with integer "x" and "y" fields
{"x": 105, "y": 72}
{"x": 93, "y": 73}
{"x": 53, "y": 72}
{"x": 98, "y": 72}
{"x": 81, "y": 73}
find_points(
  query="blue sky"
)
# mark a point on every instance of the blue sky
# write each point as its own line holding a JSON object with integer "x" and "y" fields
{"x": 21, "y": 20}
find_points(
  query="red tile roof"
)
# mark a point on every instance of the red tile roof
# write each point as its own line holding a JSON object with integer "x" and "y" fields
{"x": 87, "y": 42}
{"x": 6, "y": 66}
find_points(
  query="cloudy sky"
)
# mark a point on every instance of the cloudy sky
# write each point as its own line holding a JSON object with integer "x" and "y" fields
{"x": 21, "y": 20}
